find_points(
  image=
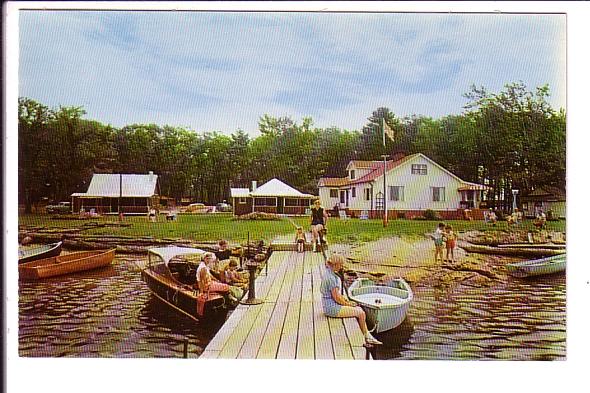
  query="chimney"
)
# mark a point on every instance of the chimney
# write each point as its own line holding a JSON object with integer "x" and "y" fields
{"x": 151, "y": 173}
{"x": 253, "y": 186}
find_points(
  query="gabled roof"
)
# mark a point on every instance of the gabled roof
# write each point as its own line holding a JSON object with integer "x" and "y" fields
{"x": 272, "y": 188}
{"x": 378, "y": 169}
{"x": 275, "y": 187}
{"x": 111, "y": 185}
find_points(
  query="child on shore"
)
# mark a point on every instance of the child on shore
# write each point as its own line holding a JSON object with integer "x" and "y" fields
{"x": 300, "y": 239}
{"x": 451, "y": 242}
{"x": 438, "y": 242}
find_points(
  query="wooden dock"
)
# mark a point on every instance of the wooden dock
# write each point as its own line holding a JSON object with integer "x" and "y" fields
{"x": 290, "y": 323}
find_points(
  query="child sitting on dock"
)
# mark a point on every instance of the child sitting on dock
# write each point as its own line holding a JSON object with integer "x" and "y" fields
{"x": 232, "y": 277}
{"x": 438, "y": 242}
{"x": 451, "y": 242}
{"x": 300, "y": 239}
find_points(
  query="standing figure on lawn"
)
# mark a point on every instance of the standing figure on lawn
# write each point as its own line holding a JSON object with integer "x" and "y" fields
{"x": 319, "y": 220}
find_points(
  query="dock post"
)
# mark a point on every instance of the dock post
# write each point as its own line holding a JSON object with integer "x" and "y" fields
{"x": 252, "y": 266}
{"x": 185, "y": 348}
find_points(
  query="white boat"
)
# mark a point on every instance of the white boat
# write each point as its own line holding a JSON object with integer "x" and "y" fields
{"x": 537, "y": 267}
{"x": 385, "y": 303}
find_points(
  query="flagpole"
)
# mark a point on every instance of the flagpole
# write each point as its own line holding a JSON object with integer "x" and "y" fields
{"x": 384, "y": 174}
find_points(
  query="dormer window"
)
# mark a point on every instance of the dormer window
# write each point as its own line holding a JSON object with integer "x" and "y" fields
{"x": 352, "y": 174}
{"x": 419, "y": 169}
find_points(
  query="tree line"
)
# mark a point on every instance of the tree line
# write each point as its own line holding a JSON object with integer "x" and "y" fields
{"x": 509, "y": 139}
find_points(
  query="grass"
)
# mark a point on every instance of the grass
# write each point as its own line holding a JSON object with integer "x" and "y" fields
{"x": 212, "y": 227}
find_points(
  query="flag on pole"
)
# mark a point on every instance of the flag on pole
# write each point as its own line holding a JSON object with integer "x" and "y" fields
{"x": 387, "y": 131}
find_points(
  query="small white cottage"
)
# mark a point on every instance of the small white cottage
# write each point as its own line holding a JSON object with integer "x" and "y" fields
{"x": 137, "y": 193}
{"x": 414, "y": 184}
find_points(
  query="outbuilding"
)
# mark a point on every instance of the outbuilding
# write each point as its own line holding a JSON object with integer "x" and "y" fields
{"x": 551, "y": 200}
{"x": 137, "y": 193}
{"x": 273, "y": 196}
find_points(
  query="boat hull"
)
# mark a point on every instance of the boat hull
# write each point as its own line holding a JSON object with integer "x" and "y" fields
{"x": 181, "y": 297}
{"x": 538, "y": 267}
{"x": 40, "y": 252}
{"x": 65, "y": 264}
{"x": 385, "y": 305}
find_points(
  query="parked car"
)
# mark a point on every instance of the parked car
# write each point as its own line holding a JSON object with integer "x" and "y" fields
{"x": 196, "y": 208}
{"x": 60, "y": 208}
{"x": 223, "y": 207}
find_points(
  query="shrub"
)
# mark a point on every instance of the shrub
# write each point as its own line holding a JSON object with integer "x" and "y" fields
{"x": 259, "y": 216}
{"x": 430, "y": 214}
{"x": 401, "y": 215}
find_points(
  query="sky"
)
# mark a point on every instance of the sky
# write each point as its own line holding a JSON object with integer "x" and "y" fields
{"x": 222, "y": 71}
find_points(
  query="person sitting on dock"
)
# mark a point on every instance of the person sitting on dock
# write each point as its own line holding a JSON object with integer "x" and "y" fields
{"x": 223, "y": 252}
{"x": 319, "y": 219}
{"x": 205, "y": 281}
{"x": 335, "y": 304}
{"x": 232, "y": 277}
{"x": 300, "y": 239}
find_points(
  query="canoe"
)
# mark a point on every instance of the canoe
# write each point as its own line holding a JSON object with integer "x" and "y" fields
{"x": 170, "y": 277}
{"x": 65, "y": 264}
{"x": 386, "y": 302}
{"x": 537, "y": 267}
{"x": 28, "y": 254}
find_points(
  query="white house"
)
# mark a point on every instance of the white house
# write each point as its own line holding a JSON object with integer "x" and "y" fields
{"x": 273, "y": 196}
{"x": 137, "y": 193}
{"x": 414, "y": 184}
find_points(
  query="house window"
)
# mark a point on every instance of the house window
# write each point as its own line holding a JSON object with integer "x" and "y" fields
{"x": 367, "y": 194}
{"x": 291, "y": 202}
{"x": 265, "y": 202}
{"x": 438, "y": 194}
{"x": 396, "y": 193}
{"x": 352, "y": 174}
{"x": 419, "y": 169}
{"x": 333, "y": 193}
{"x": 354, "y": 192}
{"x": 242, "y": 200}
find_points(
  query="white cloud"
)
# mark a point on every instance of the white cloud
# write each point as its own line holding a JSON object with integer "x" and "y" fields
{"x": 222, "y": 71}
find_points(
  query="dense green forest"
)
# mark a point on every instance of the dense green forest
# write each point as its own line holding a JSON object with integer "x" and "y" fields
{"x": 510, "y": 139}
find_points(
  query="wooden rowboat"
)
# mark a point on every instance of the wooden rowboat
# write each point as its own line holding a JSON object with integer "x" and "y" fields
{"x": 28, "y": 254}
{"x": 65, "y": 264}
{"x": 385, "y": 303}
{"x": 537, "y": 267}
{"x": 170, "y": 278}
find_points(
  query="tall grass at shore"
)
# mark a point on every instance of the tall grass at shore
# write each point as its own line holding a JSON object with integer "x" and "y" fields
{"x": 211, "y": 227}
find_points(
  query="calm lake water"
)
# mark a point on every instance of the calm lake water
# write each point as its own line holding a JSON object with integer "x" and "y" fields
{"x": 110, "y": 313}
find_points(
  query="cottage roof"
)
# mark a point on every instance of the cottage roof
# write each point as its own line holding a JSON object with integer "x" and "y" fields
{"x": 333, "y": 181}
{"x": 546, "y": 193}
{"x": 239, "y": 192}
{"x": 275, "y": 187}
{"x": 128, "y": 185}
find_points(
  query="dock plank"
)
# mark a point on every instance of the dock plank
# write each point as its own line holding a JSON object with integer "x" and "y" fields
{"x": 289, "y": 336}
{"x": 341, "y": 345}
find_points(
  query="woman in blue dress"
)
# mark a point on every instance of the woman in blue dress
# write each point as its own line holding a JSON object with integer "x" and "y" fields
{"x": 337, "y": 305}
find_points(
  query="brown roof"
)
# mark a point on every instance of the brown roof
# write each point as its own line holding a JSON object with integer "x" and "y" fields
{"x": 545, "y": 193}
{"x": 333, "y": 181}
{"x": 363, "y": 164}
{"x": 378, "y": 169}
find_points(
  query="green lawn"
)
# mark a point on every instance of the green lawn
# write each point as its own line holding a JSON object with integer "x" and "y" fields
{"x": 211, "y": 227}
